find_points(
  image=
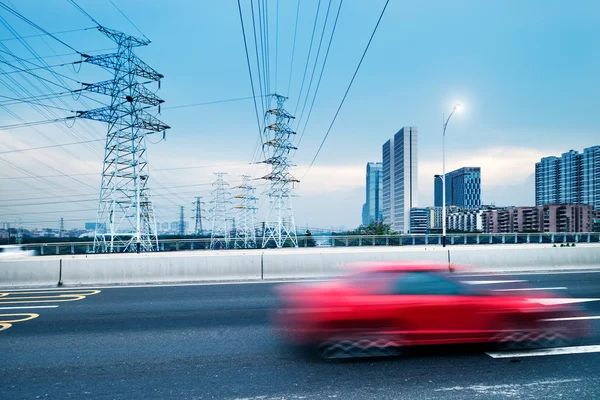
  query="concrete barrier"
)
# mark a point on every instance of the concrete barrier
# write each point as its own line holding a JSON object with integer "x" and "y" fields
{"x": 249, "y": 265}
{"x": 161, "y": 267}
{"x": 525, "y": 257}
{"x": 29, "y": 272}
{"x": 322, "y": 262}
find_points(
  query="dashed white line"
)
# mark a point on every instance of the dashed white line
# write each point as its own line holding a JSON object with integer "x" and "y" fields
{"x": 546, "y": 352}
{"x": 551, "y": 302}
{"x": 493, "y": 282}
{"x": 572, "y": 318}
{"x": 527, "y": 289}
{"x": 28, "y": 308}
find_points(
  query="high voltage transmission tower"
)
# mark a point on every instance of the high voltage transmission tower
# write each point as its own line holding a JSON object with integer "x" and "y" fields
{"x": 221, "y": 229}
{"x": 181, "y": 222}
{"x": 279, "y": 225}
{"x": 125, "y": 219}
{"x": 245, "y": 234}
{"x": 198, "y": 216}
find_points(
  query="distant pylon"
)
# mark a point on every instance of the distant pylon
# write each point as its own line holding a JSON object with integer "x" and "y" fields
{"x": 181, "y": 222}
{"x": 61, "y": 228}
{"x": 125, "y": 219}
{"x": 20, "y": 232}
{"x": 245, "y": 234}
{"x": 279, "y": 224}
{"x": 198, "y": 216}
{"x": 221, "y": 228}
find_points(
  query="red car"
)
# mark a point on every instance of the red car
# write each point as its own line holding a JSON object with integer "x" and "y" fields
{"x": 382, "y": 307}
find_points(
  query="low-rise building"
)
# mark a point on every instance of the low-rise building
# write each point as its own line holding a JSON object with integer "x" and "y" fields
{"x": 550, "y": 218}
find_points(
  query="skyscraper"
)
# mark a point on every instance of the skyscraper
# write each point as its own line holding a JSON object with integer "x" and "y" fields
{"x": 437, "y": 190}
{"x": 573, "y": 178}
{"x": 547, "y": 174}
{"x": 590, "y": 177}
{"x": 463, "y": 188}
{"x": 372, "y": 210}
{"x": 399, "y": 178}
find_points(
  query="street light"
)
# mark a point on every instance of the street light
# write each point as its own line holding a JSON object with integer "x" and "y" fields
{"x": 454, "y": 109}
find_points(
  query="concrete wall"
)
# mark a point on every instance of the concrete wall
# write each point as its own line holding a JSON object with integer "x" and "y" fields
{"x": 316, "y": 262}
{"x": 29, "y": 271}
{"x": 165, "y": 267}
{"x": 242, "y": 265}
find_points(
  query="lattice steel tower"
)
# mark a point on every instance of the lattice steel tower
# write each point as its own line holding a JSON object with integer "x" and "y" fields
{"x": 125, "y": 219}
{"x": 245, "y": 234}
{"x": 279, "y": 224}
{"x": 221, "y": 229}
{"x": 198, "y": 216}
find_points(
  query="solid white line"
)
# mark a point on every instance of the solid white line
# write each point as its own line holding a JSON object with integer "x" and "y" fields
{"x": 551, "y": 302}
{"x": 149, "y": 285}
{"x": 18, "y": 308}
{"x": 492, "y": 282}
{"x": 557, "y": 351}
{"x": 572, "y": 318}
{"x": 526, "y": 289}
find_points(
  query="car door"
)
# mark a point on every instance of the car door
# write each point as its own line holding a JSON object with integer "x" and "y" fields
{"x": 435, "y": 309}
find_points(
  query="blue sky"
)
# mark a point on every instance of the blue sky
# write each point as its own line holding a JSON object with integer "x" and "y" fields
{"x": 526, "y": 72}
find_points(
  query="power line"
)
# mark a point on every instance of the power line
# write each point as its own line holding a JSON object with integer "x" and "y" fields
{"x": 130, "y": 21}
{"x": 84, "y": 12}
{"x": 214, "y": 102}
{"x": 312, "y": 37}
{"x": 320, "y": 75}
{"x": 53, "y": 33}
{"x": 51, "y": 146}
{"x": 348, "y": 89}
{"x": 19, "y": 15}
{"x": 293, "y": 48}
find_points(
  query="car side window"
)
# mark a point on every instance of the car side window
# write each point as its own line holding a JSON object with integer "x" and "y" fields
{"x": 426, "y": 283}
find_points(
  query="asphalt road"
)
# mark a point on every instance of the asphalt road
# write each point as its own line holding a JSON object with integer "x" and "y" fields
{"x": 216, "y": 342}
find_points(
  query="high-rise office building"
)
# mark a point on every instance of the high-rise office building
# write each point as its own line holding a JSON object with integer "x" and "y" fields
{"x": 373, "y": 208}
{"x": 573, "y": 178}
{"x": 399, "y": 178}
{"x": 438, "y": 181}
{"x": 463, "y": 188}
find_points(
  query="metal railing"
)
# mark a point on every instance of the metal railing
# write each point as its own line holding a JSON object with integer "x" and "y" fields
{"x": 169, "y": 245}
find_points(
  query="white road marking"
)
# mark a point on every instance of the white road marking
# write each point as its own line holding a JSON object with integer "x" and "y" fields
{"x": 572, "y": 318}
{"x": 18, "y": 308}
{"x": 516, "y": 272}
{"x": 492, "y": 282}
{"x": 149, "y": 285}
{"x": 526, "y": 289}
{"x": 556, "y": 351}
{"x": 551, "y": 302}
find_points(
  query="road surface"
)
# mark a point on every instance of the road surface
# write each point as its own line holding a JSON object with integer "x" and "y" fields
{"x": 216, "y": 342}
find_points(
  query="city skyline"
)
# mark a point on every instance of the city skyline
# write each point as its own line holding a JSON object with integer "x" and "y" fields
{"x": 510, "y": 118}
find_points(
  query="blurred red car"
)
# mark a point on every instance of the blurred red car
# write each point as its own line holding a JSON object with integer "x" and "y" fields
{"x": 383, "y": 307}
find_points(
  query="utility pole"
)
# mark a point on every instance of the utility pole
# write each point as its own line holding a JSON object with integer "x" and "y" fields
{"x": 61, "y": 228}
{"x": 279, "y": 224}
{"x": 221, "y": 230}
{"x": 245, "y": 234}
{"x": 198, "y": 216}
{"x": 181, "y": 222}
{"x": 125, "y": 207}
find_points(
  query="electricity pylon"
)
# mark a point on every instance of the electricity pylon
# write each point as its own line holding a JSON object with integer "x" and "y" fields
{"x": 198, "y": 230}
{"x": 221, "y": 228}
{"x": 125, "y": 219}
{"x": 279, "y": 225}
{"x": 245, "y": 235}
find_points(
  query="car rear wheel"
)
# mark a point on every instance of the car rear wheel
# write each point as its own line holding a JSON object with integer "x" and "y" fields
{"x": 358, "y": 346}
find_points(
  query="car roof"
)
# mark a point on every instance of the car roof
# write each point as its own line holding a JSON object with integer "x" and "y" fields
{"x": 398, "y": 266}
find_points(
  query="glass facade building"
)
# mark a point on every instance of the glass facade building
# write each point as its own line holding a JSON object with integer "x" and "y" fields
{"x": 373, "y": 208}
{"x": 399, "y": 175}
{"x": 573, "y": 178}
{"x": 463, "y": 188}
